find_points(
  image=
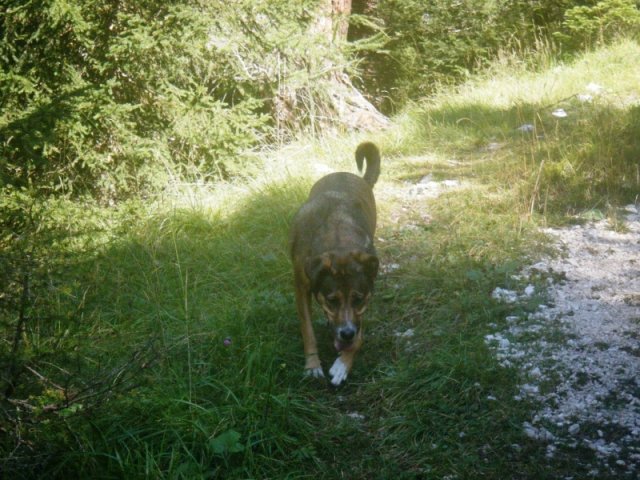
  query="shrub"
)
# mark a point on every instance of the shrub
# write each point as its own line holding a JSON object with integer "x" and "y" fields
{"x": 438, "y": 43}
{"x": 114, "y": 98}
{"x": 588, "y": 26}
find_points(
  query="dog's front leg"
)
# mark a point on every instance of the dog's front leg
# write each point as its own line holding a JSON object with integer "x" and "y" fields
{"x": 312, "y": 364}
{"x": 342, "y": 365}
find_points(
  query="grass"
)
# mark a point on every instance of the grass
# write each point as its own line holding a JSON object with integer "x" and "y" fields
{"x": 161, "y": 340}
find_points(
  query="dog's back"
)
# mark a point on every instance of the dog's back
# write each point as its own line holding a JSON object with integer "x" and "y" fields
{"x": 341, "y": 208}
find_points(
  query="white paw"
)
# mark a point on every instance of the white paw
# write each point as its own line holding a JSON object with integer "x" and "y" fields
{"x": 338, "y": 372}
{"x": 314, "y": 372}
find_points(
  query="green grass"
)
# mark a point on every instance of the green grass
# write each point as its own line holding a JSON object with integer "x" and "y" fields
{"x": 164, "y": 335}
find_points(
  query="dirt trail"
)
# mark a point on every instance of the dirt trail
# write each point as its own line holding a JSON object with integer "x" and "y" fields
{"x": 580, "y": 353}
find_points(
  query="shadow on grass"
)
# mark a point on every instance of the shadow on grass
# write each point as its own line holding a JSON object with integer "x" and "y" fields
{"x": 220, "y": 392}
{"x": 213, "y": 297}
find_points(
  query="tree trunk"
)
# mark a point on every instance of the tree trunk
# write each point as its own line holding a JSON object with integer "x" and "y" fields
{"x": 343, "y": 106}
{"x": 352, "y": 108}
{"x": 333, "y": 20}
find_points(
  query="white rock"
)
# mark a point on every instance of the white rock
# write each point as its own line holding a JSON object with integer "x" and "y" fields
{"x": 594, "y": 88}
{"x": 407, "y": 333}
{"x": 503, "y": 295}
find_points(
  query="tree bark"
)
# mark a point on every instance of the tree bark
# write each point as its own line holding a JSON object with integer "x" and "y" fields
{"x": 347, "y": 108}
{"x": 333, "y": 20}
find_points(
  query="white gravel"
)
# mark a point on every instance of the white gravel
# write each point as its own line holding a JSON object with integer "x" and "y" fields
{"x": 580, "y": 353}
{"x": 427, "y": 187}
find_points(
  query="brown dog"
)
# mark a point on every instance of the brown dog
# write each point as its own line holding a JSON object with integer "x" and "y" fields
{"x": 334, "y": 259}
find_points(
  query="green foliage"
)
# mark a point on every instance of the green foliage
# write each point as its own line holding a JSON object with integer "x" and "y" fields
{"x": 526, "y": 22}
{"x": 116, "y": 98}
{"x": 227, "y": 442}
{"x": 120, "y": 98}
{"x": 41, "y": 240}
{"x": 588, "y": 26}
{"x": 429, "y": 43}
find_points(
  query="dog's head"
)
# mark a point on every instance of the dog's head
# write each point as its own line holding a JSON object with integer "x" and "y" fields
{"x": 342, "y": 285}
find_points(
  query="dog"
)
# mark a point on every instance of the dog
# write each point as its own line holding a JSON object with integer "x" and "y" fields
{"x": 334, "y": 260}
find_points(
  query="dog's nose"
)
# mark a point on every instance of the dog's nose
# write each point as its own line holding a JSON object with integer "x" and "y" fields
{"x": 346, "y": 334}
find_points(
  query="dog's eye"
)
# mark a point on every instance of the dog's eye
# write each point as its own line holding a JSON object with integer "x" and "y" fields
{"x": 333, "y": 301}
{"x": 357, "y": 299}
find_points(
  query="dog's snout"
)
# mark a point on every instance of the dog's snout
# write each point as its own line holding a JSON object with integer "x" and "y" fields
{"x": 346, "y": 334}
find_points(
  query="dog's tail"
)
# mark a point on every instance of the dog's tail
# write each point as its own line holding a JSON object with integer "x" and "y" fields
{"x": 369, "y": 151}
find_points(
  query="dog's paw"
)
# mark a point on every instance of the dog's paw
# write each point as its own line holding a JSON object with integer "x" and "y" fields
{"x": 314, "y": 372}
{"x": 338, "y": 372}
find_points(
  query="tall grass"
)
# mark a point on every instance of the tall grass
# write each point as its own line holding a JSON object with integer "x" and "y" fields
{"x": 173, "y": 349}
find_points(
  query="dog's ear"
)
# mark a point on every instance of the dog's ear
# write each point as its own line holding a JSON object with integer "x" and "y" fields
{"x": 369, "y": 262}
{"x": 313, "y": 267}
